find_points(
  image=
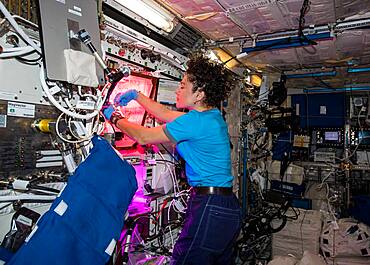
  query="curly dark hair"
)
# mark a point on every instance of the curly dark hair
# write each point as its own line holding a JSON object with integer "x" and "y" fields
{"x": 211, "y": 77}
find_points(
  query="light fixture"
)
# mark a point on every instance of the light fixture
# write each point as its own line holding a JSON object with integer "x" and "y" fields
{"x": 202, "y": 16}
{"x": 226, "y": 58}
{"x": 152, "y": 12}
{"x": 212, "y": 56}
{"x": 256, "y": 80}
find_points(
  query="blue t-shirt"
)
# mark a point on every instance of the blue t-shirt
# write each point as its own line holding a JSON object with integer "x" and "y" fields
{"x": 203, "y": 141}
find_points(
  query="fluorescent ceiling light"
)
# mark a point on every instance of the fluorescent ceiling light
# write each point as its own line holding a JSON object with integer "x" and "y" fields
{"x": 212, "y": 56}
{"x": 203, "y": 16}
{"x": 256, "y": 80}
{"x": 241, "y": 55}
{"x": 150, "y": 11}
{"x": 226, "y": 58}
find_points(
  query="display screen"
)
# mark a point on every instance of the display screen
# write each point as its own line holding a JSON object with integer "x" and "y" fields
{"x": 364, "y": 137}
{"x": 167, "y": 91}
{"x": 332, "y": 136}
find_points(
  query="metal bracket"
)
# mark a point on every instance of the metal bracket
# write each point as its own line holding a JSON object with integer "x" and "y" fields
{"x": 331, "y": 28}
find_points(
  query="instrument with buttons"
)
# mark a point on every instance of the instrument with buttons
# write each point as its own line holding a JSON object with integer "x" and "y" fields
{"x": 328, "y": 137}
{"x": 360, "y": 137}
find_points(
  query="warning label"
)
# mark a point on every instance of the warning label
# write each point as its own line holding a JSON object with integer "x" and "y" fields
{"x": 21, "y": 110}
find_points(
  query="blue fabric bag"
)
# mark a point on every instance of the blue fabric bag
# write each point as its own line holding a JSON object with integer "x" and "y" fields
{"x": 84, "y": 222}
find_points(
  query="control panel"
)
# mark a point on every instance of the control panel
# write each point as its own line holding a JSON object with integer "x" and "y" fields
{"x": 328, "y": 137}
{"x": 128, "y": 45}
{"x": 358, "y": 106}
{"x": 360, "y": 137}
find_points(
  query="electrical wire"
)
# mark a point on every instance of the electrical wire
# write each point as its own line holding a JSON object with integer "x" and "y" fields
{"x": 16, "y": 17}
{"x": 170, "y": 153}
{"x": 303, "y": 12}
{"x": 173, "y": 178}
{"x": 17, "y": 49}
{"x": 19, "y": 52}
{"x": 46, "y": 89}
{"x": 360, "y": 140}
{"x": 38, "y": 187}
{"x": 95, "y": 130}
{"x": 328, "y": 199}
{"x": 301, "y": 230}
{"x": 86, "y": 95}
{"x": 28, "y": 61}
{"x": 177, "y": 193}
{"x": 20, "y": 31}
{"x": 168, "y": 221}
{"x": 166, "y": 161}
{"x": 59, "y": 133}
{"x": 71, "y": 130}
{"x": 5, "y": 206}
{"x": 28, "y": 197}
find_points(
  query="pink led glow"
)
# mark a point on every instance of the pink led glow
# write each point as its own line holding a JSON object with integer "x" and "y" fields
{"x": 140, "y": 175}
{"x": 139, "y": 198}
{"x": 133, "y": 111}
{"x": 139, "y": 203}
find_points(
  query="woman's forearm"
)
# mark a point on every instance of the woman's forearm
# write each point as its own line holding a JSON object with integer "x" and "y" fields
{"x": 142, "y": 134}
{"x": 156, "y": 109}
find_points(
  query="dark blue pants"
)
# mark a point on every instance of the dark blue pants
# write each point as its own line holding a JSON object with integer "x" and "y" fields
{"x": 212, "y": 225}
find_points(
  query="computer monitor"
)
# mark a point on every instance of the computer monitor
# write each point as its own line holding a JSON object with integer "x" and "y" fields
{"x": 332, "y": 136}
{"x": 167, "y": 91}
{"x": 58, "y": 21}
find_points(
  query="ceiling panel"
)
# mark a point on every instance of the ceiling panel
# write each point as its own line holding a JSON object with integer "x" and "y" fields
{"x": 293, "y": 58}
{"x": 270, "y": 15}
{"x": 347, "y": 48}
{"x": 365, "y": 57}
{"x": 192, "y": 7}
{"x": 266, "y": 19}
{"x": 241, "y": 18}
{"x": 217, "y": 27}
{"x": 346, "y": 8}
{"x": 257, "y": 16}
{"x": 342, "y": 79}
{"x": 274, "y": 57}
{"x": 352, "y": 44}
{"x": 321, "y": 12}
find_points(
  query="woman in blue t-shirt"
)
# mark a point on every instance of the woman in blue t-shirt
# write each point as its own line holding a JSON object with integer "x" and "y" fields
{"x": 213, "y": 216}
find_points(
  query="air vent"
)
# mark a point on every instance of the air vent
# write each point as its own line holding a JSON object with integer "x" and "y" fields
{"x": 251, "y": 5}
{"x": 185, "y": 37}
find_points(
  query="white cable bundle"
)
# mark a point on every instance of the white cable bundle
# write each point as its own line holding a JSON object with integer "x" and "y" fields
{"x": 17, "y": 28}
{"x": 178, "y": 203}
{"x": 70, "y": 111}
{"x": 15, "y": 52}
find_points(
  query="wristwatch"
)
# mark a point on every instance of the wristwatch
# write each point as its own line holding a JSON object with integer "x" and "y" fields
{"x": 116, "y": 116}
